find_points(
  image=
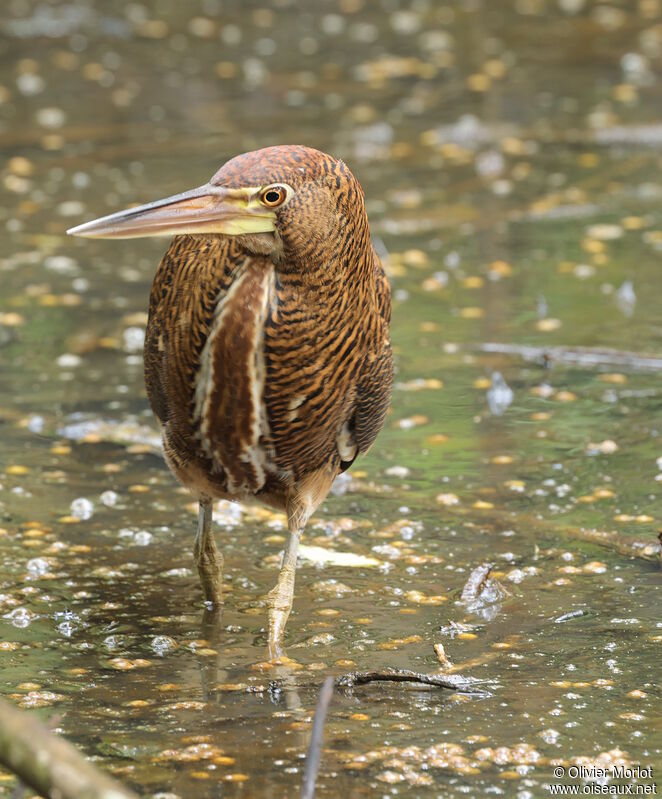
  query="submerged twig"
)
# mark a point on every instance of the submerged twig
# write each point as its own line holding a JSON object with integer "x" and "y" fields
{"x": 586, "y": 357}
{"x": 48, "y": 764}
{"x": 314, "y": 754}
{"x": 453, "y": 683}
{"x": 474, "y": 586}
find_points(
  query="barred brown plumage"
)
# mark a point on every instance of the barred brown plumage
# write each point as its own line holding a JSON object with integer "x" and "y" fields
{"x": 267, "y": 354}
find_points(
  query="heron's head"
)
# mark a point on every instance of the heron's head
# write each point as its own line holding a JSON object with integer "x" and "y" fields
{"x": 286, "y": 200}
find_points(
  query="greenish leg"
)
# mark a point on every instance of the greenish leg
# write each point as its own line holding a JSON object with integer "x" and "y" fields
{"x": 208, "y": 559}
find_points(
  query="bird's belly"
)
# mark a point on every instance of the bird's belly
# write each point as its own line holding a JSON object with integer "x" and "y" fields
{"x": 229, "y": 415}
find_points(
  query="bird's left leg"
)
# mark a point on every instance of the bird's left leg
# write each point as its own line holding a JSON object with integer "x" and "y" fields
{"x": 280, "y": 598}
{"x": 305, "y": 496}
{"x": 208, "y": 559}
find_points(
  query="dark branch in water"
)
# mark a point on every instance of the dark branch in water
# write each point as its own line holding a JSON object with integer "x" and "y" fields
{"x": 315, "y": 747}
{"x": 452, "y": 682}
{"x": 47, "y": 763}
{"x": 474, "y": 586}
{"x": 586, "y": 357}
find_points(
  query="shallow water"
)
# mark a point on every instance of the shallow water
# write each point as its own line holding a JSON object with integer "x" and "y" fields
{"x": 509, "y": 154}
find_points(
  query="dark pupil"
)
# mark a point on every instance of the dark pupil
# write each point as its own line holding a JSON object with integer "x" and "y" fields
{"x": 272, "y": 196}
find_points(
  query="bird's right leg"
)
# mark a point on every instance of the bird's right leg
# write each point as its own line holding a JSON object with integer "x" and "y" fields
{"x": 207, "y": 557}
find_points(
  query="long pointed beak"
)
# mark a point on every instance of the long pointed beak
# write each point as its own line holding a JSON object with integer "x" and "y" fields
{"x": 207, "y": 209}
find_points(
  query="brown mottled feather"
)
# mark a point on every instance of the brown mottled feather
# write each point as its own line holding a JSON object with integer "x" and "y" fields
{"x": 307, "y": 327}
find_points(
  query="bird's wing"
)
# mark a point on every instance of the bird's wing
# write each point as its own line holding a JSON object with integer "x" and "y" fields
{"x": 375, "y": 383}
{"x": 153, "y": 350}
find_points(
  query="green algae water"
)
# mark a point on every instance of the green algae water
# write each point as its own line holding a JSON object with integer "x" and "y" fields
{"x": 510, "y": 157}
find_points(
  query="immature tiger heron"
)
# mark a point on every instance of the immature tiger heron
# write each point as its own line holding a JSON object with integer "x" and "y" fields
{"x": 267, "y": 353}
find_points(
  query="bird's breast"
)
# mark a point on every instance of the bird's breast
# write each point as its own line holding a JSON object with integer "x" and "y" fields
{"x": 229, "y": 412}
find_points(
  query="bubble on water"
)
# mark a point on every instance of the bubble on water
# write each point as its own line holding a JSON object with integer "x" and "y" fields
{"x": 109, "y": 498}
{"x": 341, "y": 484}
{"x": 397, "y": 471}
{"x": 142, "y": 538}
{"x": 134, "y": 339}
{"x": 69, "y": 360}
{"x": 162, "y": 644}
{"x": 113, "y": 642}
{"x": 36, "y": 424}
{"x": 38, "y": 566}
{"x": 71, "y": 208}
{"x": 20, "y": 617}
{"x": 571, "y": 6}
{"x": 30, "y": 84}
{"x": 51, "y": 117}
{"x": 452, "y": 260}
{"x": 499, "y": 395}
{"x": 82, "y": 508}
{"x": 62, "y": 264}
{"x": 626, "y": 299}
{"x": 180, "y": 572}
{"x": 490, "y": 163}
{"x": 407, "y": 532}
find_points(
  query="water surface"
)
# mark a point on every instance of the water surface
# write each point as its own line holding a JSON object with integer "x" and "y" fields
{"x": 509, "y": 154}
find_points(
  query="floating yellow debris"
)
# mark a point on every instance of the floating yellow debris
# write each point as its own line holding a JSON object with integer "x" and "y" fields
{"x": 473, "y": 282}
{"x": 410, "y": 422}
{"x": 437, "y": 438}
{"x": 39, "y": 699}
{"x": 606, "y": 447}
{"x": 396, "y": 643}
{"x": 11, "y": 319}
{"x": 320, "y": 555}
{"x": 17, "y": 469}
{"x": 501, "y": 460}
{"x": 472, "y": 312}
{"x": 548, "y": 325}
{"x": 482, "y": 383}
{"x": 499, "y": 269}
{"x": 565, "y": 396}
{"x": 604, "y": 232}
{"x": 60, "y": 449}
{"x": 478, "y": 82}
{"x": 417, "y": 258}
{"x": 448, "y": 499}
{"x": 594, "y": 567}
{"x": 588, "y": 160}
{"x": 420, "y": 598}
{"x": 124, "y": 664}
{"x": 633, "y": 222}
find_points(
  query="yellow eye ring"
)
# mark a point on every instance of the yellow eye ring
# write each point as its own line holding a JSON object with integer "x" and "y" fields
{"x": 273, "y": 196}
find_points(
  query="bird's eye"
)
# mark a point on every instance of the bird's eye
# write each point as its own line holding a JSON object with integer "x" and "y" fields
{"x": 273, "y": 196}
